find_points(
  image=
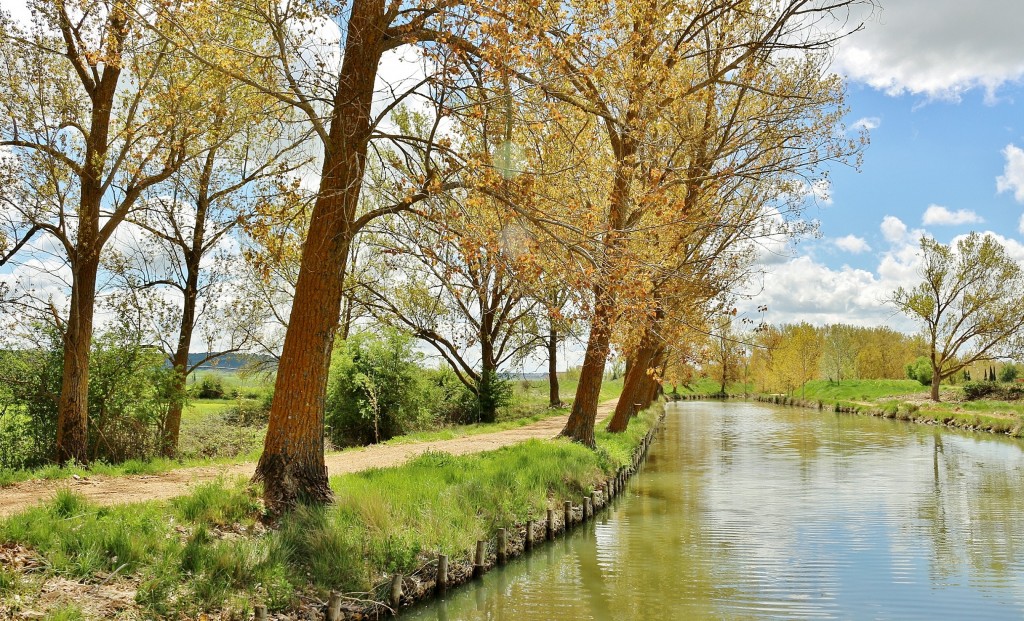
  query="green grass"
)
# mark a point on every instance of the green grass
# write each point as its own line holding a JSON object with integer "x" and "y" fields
{"x": 889, "y": 398}
{"x": 383, "y": 520}
{"x": 860, "y": 390}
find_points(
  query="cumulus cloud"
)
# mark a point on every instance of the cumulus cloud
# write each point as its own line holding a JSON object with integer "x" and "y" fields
{"x": 940, "y": 216}
{"x": 852, "y": 244}
{"x": 893, "y": 229}
{"x": 1012, "y": 179}
{"x": 868, "y": 123}
{"x": 938, "y": 48}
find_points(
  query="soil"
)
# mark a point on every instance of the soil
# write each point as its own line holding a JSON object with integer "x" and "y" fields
{"x": 126, "y": 489}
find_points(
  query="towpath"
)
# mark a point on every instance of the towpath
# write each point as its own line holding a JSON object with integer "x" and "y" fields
{"x": 134, "y": 488}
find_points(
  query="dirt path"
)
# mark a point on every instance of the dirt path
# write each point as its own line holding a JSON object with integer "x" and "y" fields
{"x": 136, "y": 488}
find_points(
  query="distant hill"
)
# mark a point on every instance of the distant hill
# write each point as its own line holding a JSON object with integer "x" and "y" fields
{"x": 227, "y": 362}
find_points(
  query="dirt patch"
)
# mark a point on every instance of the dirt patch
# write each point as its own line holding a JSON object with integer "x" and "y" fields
{"x": 122, "y": 490}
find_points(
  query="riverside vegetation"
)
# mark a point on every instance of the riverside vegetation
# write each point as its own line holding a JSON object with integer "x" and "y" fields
{"x": 207, "y": 551}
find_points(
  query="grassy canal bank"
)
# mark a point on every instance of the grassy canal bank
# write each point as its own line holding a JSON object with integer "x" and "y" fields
{"x": 1000, "y": 410}
{"x": 207, "y": 555}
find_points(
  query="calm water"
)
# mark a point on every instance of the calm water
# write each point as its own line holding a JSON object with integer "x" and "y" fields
{"x": 749, "y": 511}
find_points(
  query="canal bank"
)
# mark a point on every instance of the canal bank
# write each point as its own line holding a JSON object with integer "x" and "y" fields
{"x": 207, "y": 553}
{"x": 746, "y": 510}
{"x": 444, "y": 574}
{"x": 909, "y": 412}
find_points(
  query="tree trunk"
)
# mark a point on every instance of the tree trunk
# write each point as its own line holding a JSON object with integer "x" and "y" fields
{"x": 936, "y": 380}
{"x": 179, "y": 360}
{"x": 632, "y": 387}
{"x": 73, "y": 404}
{"x": 580, "y": 426}
{"x": 554, "y": 395}
{"x": 292, "y": 466}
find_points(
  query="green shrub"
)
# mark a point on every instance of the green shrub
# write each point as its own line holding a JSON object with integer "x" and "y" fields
{"x": 977, "y": 390}
{"x": 129, "y": 395}
{"x": 210, "y": 387}
{"x": 1008, "y": 373}
{"x": 375, "y": 390}
{"x": 920, "y": 370}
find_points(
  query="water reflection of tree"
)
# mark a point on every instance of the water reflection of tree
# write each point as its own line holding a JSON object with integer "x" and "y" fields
{"x": 972, "y": 516}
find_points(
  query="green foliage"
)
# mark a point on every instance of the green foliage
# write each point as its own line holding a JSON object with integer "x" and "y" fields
{"x": 1008, "y": 373}
{"x": 375, "y": 390}
{"x": 492, "y": 392}
{"x": 29, "y": 386}
{"x": 130, "y": 389}
{"x": 921, "y": 370}
{"x": 210, "y": 387}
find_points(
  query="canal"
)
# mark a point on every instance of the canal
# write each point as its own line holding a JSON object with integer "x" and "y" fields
{"x": 752, "y": 511}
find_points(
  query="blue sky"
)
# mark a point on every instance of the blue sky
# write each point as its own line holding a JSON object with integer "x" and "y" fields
{"x": 939, "y": 85}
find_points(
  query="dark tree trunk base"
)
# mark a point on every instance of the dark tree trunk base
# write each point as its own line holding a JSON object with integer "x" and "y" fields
{"x": 288, "y": 483}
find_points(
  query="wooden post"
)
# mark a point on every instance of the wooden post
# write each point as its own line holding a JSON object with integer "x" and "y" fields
{"x": 442, "y": 573}
{"x": 593, "y": 502}
{"x": 334, "y": 607}
{"x": 551, "y": 525}
{"x": 396, "y": 591}
{"x": 568, "y": 515}
{"x": 260, "y": 612}
{"x": 478, "y": 563}
{"x": 588, "y": 508}
{"x": 502, "y": 546}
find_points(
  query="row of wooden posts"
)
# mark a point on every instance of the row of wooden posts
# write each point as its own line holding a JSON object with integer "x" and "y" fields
{"x": 600, "y": 497}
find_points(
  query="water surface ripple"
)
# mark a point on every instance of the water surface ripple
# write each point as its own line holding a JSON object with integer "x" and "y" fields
{"x": 750, "y": 511}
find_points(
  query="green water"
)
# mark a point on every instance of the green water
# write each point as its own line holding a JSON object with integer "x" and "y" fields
{"x": 749, "y": 511}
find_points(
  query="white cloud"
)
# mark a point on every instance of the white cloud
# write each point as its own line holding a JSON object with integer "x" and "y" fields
{"x": 940, "y": 216}
{"x": 893, "y": 229}
{"x": 938, "y": 48}
{"x": 1012, "y": 179}
{"x": 1020, "y": 225}
{"x": 868, "y": 123}
{"x": 853, "y": 244}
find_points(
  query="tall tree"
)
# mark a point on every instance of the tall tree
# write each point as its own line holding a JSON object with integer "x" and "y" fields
{"x": 630, "y": 69}
{"x": 970, "y": 304}
{"x": 336, "y": 99}
{"x": 182, "y": 268}
{"x": 93, "y": 120}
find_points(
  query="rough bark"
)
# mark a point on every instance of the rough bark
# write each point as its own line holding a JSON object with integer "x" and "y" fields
{"x": 554, "y": 395}
{"x": 633, "y": 387}
{"x": 292, "y": 466}
{"x": 73, "y": 405}
{"x": 580, "y": 426}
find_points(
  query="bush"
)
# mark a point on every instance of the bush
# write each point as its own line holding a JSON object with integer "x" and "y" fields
{"x": 977, "y": 390}
{"x": 375, "y": 390}
{"x": 448, "y": 398}
{"x": 129, "y": 394}
{"x": 211, "y": 387}
{"x": 1008, "y": 373}
{"x": 920, "y": 370}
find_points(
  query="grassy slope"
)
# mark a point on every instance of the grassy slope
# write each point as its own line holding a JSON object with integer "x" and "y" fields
{"x": 383, "y": 520}
{"x": 907, "y": 399}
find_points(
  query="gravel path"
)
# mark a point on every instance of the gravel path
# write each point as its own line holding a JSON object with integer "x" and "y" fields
{"x": 136, "y": 488}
